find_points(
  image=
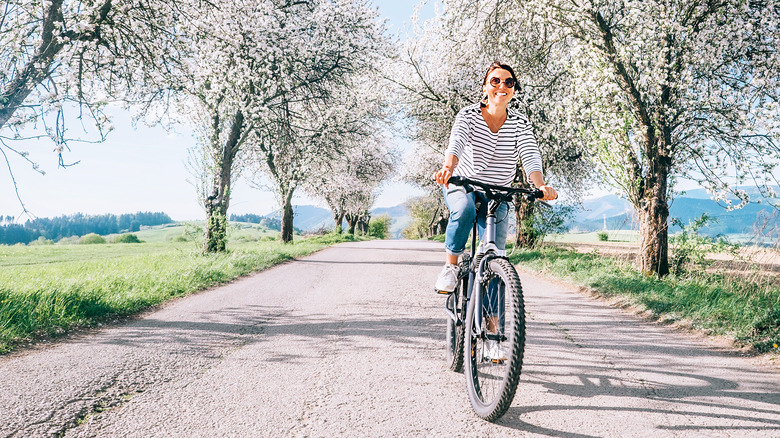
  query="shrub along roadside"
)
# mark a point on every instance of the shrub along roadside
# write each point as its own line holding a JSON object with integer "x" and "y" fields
{"x": 50, "y": 298}
{"x": 746, "y": 311}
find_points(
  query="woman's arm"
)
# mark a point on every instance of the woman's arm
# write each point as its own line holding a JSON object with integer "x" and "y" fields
{"x": 459, "y": 137}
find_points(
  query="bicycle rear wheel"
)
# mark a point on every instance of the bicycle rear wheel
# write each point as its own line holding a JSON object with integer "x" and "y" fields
{"x": 455, "y": 331}
{"x": 492, "y": 374}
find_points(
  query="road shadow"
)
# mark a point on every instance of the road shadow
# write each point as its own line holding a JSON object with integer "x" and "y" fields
{"x": 559, "y": 363}
{"x": 361, "y": 262}
{"x": 438, "y": 250}
{"x": 256, "y": 324}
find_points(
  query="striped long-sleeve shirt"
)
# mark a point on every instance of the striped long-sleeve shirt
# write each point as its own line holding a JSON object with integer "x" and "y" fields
{"x": 490, "y": 157}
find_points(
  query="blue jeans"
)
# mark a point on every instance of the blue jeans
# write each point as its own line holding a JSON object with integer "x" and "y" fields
{"x": 462, "y": 216}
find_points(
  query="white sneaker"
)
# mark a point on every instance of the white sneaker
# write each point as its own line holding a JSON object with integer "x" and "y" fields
{"x": 494, "y": 352}
{"x": 448, "y": 279}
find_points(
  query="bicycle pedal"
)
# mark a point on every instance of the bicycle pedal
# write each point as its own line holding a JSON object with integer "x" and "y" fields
{"x": 442, "y": 292}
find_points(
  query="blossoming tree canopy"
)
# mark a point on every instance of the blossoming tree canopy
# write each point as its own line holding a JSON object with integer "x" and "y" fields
{"x": 52, "y": 52}
{"x": 655, "y": 90}
{"x": 667, "y": 89}
{"x": 260, "y": 88}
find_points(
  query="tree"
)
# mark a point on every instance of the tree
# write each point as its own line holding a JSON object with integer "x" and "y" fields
{"x": 380, "y": 226}
{"x": 308, "y": 128}
{"x": 53, "y": 53}
{"x": 435, "y": 73}
{"x": 425, "y": 212}
{"x": 253, "y": 78}
{"x": 230, "y": 77}
{"x": 348, "y": 181}
{"x": 664, "y": 89}
{"x": 330, "y": 148}
{"x": 429, "y": 212}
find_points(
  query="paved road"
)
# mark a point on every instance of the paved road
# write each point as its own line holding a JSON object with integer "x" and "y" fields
{"x": 349, "y": 342}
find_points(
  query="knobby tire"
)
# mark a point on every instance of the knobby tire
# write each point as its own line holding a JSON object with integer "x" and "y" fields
{"x": 491, "y": 384}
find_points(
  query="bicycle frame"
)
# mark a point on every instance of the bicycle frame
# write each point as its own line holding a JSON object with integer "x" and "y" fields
{"x": 486, "y": 251}
{"x": 482, "y": 254}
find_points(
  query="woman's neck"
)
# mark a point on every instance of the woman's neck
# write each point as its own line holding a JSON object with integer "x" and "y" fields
{"x": 495, "y": 111}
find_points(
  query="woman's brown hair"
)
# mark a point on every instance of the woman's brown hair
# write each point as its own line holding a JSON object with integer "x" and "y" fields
{"x": 495, "y": 65}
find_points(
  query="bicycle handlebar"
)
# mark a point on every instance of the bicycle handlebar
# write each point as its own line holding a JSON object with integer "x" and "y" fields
{"x": 531, "y": 194}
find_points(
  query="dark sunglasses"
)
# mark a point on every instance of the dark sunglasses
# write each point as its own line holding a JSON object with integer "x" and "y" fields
{"x": 510, "y": 82}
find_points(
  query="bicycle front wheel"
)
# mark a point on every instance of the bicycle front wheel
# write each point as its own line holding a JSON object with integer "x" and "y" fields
{"x": 495, "y": 348}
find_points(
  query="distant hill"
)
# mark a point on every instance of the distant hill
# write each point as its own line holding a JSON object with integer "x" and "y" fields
{"x": 754, "y": 193}
{"x": 619, "y": 214}
{"x": 307, "y": 218}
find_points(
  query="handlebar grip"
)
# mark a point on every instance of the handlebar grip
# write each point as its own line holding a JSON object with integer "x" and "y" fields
{"x": 457, "y": 180}
{"x": 537, "y": 194}
{"x": 460, "y": 181}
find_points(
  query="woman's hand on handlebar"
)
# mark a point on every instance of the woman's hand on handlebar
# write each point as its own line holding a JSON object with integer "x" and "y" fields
{"x": 537, "y": 179}
{"x": 442, "y": 176}
{"x": 549, "y": 193}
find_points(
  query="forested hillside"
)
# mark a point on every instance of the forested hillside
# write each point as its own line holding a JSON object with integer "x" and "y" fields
{"x": 77, "y": 225}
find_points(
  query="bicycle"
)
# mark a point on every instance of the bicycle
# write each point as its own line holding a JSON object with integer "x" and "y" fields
{"x": 487, "y": 305}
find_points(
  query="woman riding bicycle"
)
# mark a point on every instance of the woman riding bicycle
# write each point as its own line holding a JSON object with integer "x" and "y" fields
{"x": 486, "y": 142}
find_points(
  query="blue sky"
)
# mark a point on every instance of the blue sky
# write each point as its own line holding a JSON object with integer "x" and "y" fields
{"x": 143, "y": 168}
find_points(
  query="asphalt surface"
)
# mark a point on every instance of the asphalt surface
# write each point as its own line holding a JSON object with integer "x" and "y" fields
{"x": 350, "y": 342}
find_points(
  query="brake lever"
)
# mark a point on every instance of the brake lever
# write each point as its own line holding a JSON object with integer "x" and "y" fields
{"x": 544, "y": 204}
{"x": 537, "y": 197}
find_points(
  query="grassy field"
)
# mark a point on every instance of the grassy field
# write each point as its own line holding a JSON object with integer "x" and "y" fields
{"x": 187, "y": 231}
{"x": 46, "y": 290}
{"x": 744, "y": 310}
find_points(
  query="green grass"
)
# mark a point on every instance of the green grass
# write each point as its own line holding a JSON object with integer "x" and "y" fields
{"x": 49, "y": 289}
{"x": 592, "y": 237}
{"x": 746, "y": 311}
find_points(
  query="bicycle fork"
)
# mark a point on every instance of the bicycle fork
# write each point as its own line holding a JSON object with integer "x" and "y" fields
{"x": 485, "y": 252}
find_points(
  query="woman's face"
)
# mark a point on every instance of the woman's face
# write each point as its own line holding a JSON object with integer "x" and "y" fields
{"x": 497, "y": 92}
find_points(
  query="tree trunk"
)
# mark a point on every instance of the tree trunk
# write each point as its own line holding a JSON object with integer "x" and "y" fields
{"x": 439, "y": 220}
{"x": 442, "y": 224}
{"x": 433, "y": 225}
{"x": 218, "y": 201}
{"x": 352, "y": 222}
{"x": 653, "y": 214}
{"x": 287, "y": 218}
{"x": 654, "y": 232}
{"x": 363, "y": 221}
{"x": 339, "y": 219}
{"x": 525, "y": 236}
{"x": 216, "y": 229}
{"x": 653, "y": 205}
